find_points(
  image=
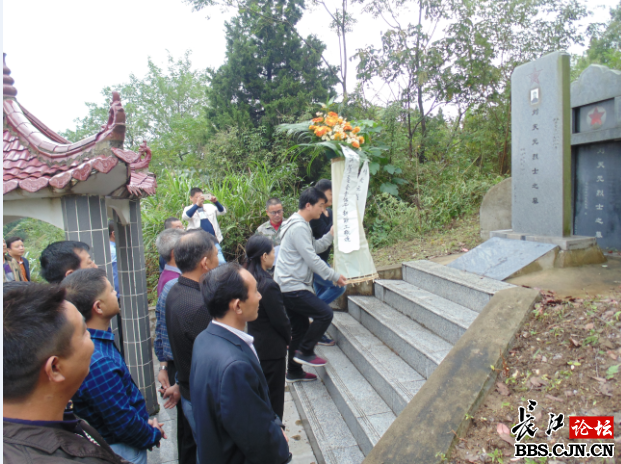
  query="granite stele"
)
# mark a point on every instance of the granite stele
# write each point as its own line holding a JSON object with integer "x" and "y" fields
{"x": 541, "y": 163}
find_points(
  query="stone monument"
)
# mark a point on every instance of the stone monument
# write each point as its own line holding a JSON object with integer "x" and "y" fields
{"x": 541, "y": 184}
{"x": 596, "y": 146}
{"x": 540, "y": 147}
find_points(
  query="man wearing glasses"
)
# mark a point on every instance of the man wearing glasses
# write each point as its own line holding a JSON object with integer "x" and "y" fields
{"x": 269, "y": 229}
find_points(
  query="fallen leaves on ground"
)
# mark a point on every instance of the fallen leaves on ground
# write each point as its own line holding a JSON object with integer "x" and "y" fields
{"x": 567, "y": 358}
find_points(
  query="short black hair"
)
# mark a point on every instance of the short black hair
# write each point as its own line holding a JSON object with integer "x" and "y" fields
{"x": 11, "y": 240}
{"x": 195, "y": 190}
{"x": 169, "y": 222}
{"x": 83, "y": 287}
{"x": 60, "y": 257}
{"x": 110, "y": 227}
{"x": 273, "y": 202}
{"x": 192, "y": 248}
{"x": 324, "y": 185}
{"x": 12, "y": 285}
{"x": 221, "y": 285}
{"x": 311, "y": 195}
{"x": 35, "y": 327}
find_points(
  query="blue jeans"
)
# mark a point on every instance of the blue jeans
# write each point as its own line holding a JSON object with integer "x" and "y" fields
{"x": 221, "y": 259}
{"x": 326, "y": 291}
{"x": 129, "y": 453}
{"x": 189, "y": 415}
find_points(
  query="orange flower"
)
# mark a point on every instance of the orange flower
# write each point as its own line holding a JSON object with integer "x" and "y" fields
{"x": 340, "y": 120}
{"x": 347, "y": 127}
{"x": 317, "y": 119}
{"x": 332, "y": 114}
{"x": 312, "y": 128}
{"x": 331, "y": 121}
{"x": 361, "y": 140}
{"x": 355, "y": 144}
{"x": 356, "y": 130}
{"x": 321, "y": 131}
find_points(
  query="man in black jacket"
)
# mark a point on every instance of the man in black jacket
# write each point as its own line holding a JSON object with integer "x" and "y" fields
{"x": 235, "y": 422}
{"x": 47, "y": 353}
{"x": 325, "y": 290}
{"x": 186, "y": 313}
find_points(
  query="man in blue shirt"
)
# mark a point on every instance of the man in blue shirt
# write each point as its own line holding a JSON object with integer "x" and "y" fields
{"x": 205, "y": 216}
{"x": 115, "y": 269}
{"x": 108, "y": 398}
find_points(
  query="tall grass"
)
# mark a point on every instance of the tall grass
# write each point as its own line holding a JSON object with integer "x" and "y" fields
{"x": 244, "y": 195}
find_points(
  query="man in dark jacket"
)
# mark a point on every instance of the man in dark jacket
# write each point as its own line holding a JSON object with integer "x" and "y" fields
{"x": 235, "y": 422}
{"x": 47, "y": 352}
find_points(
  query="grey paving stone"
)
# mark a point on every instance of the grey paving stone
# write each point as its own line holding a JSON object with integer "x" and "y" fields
{"x": 470, "y": 290}
{"x": 365, "y": 412}
{"x": 329, "y": 435}
{"x": 441, "y": 316}
{"x": 393, "y": 379}
{"x": 417, "y": 346}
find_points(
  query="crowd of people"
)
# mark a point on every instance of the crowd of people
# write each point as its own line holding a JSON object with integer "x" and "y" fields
{"x": 227, "y": 338}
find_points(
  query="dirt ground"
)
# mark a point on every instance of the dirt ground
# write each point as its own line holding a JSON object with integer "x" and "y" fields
{"x": 567, "y": 356}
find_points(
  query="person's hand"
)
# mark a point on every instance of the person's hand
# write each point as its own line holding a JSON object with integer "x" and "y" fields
{"x": 213, "y": 199}
{"x": 332, "y": 231}
{"x": 342, "y": 281}
{"x": 172, "y": 395}
{"x": 200, "y": 200}
{"x": 285, "y": 435}
{"x": 162, "y": 378}
{"x": 155, "y": 424}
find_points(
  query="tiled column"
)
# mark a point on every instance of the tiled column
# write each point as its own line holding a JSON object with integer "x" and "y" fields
{"x": 86, "y": 221}
{"x": 135, "y": 310}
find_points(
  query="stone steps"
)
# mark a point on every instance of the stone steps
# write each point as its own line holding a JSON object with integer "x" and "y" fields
{"x": 329, "y": 435}
{"x": 417, "y": 346}
{"x": 441, "y": 316}
{"x": 469, "y": 290}
{"x": 387, "y": 346}
{"x": 393, "y": 379}
{"x": 365, "y": 412}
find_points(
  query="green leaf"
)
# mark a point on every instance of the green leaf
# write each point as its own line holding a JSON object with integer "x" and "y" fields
{"x": 612, "y": 370}
{"x": 399, "y": 181}
{"x": 373, "y": 168}
{"x": 389, "y": 188}
{"x": 390, "y": 169}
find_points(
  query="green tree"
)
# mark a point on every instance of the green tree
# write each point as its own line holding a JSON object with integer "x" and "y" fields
{"x": 270, "y": 74}
{"x": 166, "y": 108}
{"x": 604, "y": 44}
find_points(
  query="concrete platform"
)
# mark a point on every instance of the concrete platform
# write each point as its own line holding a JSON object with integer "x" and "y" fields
{"x": 573, "y": 242}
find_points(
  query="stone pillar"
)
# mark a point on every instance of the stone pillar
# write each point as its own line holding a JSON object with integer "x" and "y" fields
{"x": 86, "y": 221}
{"x": 540, "y": 147}
{"x": 134, "y": 303}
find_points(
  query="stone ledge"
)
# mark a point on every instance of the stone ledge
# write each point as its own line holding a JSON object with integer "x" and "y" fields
{"x": 431, "y": 423}
{"x": 573, "y": 242}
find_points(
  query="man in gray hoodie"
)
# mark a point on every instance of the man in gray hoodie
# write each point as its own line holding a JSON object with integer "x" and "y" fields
{"x": 297, "y": 261}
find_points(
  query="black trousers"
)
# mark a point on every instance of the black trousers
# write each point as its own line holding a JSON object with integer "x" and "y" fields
{"x": 274, "y": 371}
{"x": 186, "y": 447}
{"x": 301, "y": 306}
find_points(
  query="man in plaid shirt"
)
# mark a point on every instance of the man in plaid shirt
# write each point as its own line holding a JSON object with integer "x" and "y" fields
{"x": 108, "y": 399}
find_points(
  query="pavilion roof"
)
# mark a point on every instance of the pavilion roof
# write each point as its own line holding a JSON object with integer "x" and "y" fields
{"x": 35, "y": 157}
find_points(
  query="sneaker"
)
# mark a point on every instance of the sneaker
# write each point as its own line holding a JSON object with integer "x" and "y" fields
{"x": 326, "y": 341}
{"x": 310, "y": 360}
{"x": 302, "y": 377}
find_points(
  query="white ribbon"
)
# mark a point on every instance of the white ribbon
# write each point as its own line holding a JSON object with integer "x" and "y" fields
{"x": 362, "y": 189}
{"x": 347, "y": 213}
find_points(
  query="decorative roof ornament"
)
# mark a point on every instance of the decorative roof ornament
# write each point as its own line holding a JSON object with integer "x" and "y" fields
{"x": 8, "y": 91}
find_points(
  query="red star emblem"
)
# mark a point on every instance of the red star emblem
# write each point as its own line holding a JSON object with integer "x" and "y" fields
{"x": 596, "y": 116}
{"x": 534, "y": 76}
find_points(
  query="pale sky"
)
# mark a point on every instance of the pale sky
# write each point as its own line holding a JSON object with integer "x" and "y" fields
{"x": 63, "y": 52}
